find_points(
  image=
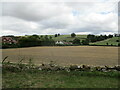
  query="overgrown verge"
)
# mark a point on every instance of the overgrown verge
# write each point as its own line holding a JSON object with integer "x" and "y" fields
{"x": 52, "y": 66}
{"x": 54, "y": 76}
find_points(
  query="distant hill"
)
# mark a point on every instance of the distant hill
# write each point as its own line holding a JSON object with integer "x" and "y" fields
{"x": 68, "y": 37}
{"x": 109, "y": 41}
{"x": 64, "y": 37}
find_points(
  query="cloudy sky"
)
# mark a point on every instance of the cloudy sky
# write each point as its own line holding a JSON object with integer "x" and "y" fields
{"x": 64, "y": 17}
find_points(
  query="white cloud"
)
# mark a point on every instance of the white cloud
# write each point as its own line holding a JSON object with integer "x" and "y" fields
{"x": 59, "y": 17}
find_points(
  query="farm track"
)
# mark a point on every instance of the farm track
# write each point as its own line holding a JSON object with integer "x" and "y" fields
{"x": 90, "y": 55}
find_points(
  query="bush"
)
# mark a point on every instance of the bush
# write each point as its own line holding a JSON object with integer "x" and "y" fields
{"x": 76, "y": 41}
{"x": 118, "y": 44}
{"x": 7, "y": 45}
{"x": 85, "y": 42}
{"x": 117, "y": 40}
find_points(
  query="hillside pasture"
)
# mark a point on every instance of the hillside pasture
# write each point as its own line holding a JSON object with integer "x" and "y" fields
{"x": 68, "y": 37}
{"x": 110, "y": 41}
{"x": 90, "y": 55}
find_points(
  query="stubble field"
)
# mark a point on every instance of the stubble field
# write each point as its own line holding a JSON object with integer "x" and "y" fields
{"x": 90, "y": 55}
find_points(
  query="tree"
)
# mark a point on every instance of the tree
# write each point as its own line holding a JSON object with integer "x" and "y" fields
{"x": 110, "y": 36}
{"x": 12, "y": 36}
{"x": 85, "y": 42}
{"x": 107, "y": 44}
{"x": 105, "y": 36}
{"x": 41, "y": 36}
{"x": 117, "y": 40}
{"x": 29, "y": 41}
{"x": 35, "y": 40}
{"x": 35, "y": 36}
{"x": 50, "y": 37}
{"x": 76, "y": 41}
{"x": 56, "y": 35}
{"x": 92, "y": 38}
{"x": 46, "y": 37}
{"x": 73, "y": 35}
{"x": 115, "y": 35}
{"x": 118, "y": 44}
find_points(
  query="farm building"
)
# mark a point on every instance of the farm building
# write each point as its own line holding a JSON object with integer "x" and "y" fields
{"x": 61, "y": 42}
{"x": 67, "y": 43}
{"x": 9, "y": 40}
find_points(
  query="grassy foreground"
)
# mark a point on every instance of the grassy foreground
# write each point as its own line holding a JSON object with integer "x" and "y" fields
{"x": 61, "y": 79}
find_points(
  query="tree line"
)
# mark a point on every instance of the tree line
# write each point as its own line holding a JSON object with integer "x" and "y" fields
{"x": 30, "y": 41}
{"x": 45, "y": 40}
{"x": 36, "y": 40}
{"x": 90, "y": 38}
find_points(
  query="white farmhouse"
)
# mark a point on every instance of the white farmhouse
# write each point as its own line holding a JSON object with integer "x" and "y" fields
{"x": 59, "y": 42}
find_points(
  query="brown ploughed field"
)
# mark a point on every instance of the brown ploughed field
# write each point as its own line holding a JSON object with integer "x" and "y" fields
{"x": 65, "y": 55}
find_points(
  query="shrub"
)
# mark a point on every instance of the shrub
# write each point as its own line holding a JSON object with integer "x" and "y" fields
{"x": 76, "y": 41}
{"x": 85, "y": 42}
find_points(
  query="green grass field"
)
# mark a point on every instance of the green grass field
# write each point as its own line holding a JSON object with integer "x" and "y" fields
{"x": 61, "y": 79}
{"x": 82, "y": 37}
{"x": 109, "y": 41}
{"x": 68, "y": 37}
